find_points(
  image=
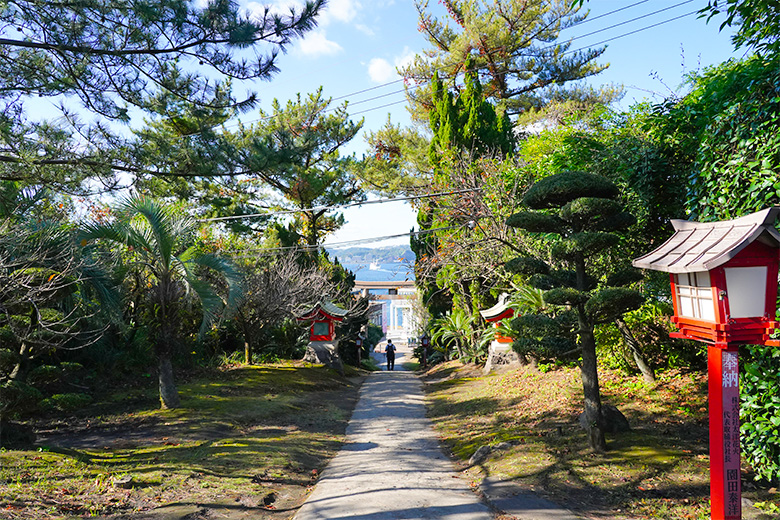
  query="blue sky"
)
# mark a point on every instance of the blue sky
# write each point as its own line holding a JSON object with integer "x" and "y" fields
{"x": 354, "y": 51}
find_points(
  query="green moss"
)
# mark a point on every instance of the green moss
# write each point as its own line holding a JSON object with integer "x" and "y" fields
{"x": 280, "y": 420}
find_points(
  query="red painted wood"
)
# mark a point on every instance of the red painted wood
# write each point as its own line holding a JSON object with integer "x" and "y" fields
{"x": 725, "y": 476}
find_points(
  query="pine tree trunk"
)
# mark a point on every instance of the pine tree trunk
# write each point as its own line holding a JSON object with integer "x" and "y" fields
{"x": 633, "y": 345}
{"x": 589, "y": 371}
{"x": 169, "y": 396}
{"x": 590, "y": 389}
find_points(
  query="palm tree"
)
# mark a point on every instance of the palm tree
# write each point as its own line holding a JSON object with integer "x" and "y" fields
{"x": 158, "y": 244}
{"x": 453, "y": 330}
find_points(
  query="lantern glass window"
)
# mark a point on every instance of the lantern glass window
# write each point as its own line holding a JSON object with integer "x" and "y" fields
{"x": 694, "y": 296}
{"x": 746, "y": 289}
{"x": 320, "y": 328}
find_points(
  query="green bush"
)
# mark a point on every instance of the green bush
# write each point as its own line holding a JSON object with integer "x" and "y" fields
{"x": 369, "y": 364}
{"x": 66, "y": 402}
{"x": 760, "y": 411}
{"x": 287, "y": 340}
{"x": 18, "y": 398}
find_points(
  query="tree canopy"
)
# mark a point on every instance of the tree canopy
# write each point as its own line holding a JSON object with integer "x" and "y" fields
{"x": 513, "y": 44}
{"x": 757, "y": 22}
{"x": 104, "y": 62}
{"x": 295, "y": 151}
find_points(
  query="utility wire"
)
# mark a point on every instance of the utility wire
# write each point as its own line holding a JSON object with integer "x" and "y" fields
{"x": 632, "y": 20}
{"x": 604, "y": 29}
{"x": 339, "y": 206}
{"x": 336, "y": 245}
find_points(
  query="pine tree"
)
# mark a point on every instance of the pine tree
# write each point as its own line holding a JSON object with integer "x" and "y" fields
{"x": 106, "y": 60}
{"x": 295, "y": 150}
{"x": 515, "y": 47}
{"x": 585, "y": 212}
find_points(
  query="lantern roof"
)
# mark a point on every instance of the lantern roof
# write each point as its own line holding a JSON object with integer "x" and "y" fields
{"x": 702, "y": 246}
{"x": 324, "y": 308}
{"x": 499, "y": 310}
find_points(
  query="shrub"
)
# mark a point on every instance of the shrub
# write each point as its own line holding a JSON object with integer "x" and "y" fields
{"x": 760, "y": 411}
{"x": 66, "y": 402}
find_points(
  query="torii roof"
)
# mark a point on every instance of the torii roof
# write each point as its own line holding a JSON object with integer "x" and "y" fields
{"x": 324, "y": 308}
{"x": 702, "y": 246}
{"x": 495, "y": 312}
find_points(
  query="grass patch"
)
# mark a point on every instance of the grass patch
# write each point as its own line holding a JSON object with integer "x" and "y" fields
{"x": 659, "y": 470}
{"x": 251, "y": 440}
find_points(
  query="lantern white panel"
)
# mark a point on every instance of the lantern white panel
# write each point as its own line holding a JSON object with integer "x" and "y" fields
{"x": 746, "y": 288}
{"x": 686, "y": 307}
{"x": 694, "y": 296}
{"x": 320, "y": 328}
{"x": 706, "y": 304}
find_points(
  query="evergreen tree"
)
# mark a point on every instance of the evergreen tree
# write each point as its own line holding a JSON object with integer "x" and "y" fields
{"x": 513, "y": 45}
{"x": 109, "y": 58}
{"x": 584, "y": 211}
{"x": 465, "y": 127}
{"x": 294, "y": 150}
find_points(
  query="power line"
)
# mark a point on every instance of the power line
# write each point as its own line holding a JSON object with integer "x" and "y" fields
{"x": 338, "y": 207}
{"x": 336, "y": 245}
{"x": 604, "y": 29}
{"x": 644, "y": 28}
{"x": 586, "y": 20}
{"x": 631, "y": 20}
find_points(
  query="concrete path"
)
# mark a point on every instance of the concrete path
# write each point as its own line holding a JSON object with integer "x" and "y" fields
{"x": 392, "y": 466}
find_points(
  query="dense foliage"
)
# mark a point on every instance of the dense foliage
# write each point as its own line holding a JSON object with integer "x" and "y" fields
{"x": 516, "y": 47}
{"x": 760, "y": 410}
{"x": 582, "y": 209}
{"x": 726, "y": 130}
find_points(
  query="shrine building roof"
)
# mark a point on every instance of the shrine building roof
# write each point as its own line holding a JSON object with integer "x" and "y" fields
{"x": 498, "y": 311}
{"x": 327, "y": 307}
{"x": 702, "y": 246}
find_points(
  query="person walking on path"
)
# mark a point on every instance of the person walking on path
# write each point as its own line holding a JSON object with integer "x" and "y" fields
{"x": 390, "y": 353}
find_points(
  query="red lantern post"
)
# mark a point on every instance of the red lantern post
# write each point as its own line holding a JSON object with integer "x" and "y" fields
{"x": 724, "y": 289}
{"x": 425, "y": 341}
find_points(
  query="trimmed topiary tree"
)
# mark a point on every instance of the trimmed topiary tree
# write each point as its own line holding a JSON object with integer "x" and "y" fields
{"x": 580, "y": 214}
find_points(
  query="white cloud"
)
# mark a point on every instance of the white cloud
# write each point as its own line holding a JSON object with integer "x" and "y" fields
{"x": 316, "y": 43}
{"x": 406, "y": 57}
{"x": 365, "y": 29}
{"x": 380, "y": 70}
{"x": 340, "y": 11}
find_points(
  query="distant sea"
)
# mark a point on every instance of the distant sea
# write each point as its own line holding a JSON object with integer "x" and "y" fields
{"x": 393, "y": 272}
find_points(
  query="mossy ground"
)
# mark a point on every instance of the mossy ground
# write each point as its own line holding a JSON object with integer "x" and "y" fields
{"x": 249, "y": 441}
{"x": 659, "y": 470}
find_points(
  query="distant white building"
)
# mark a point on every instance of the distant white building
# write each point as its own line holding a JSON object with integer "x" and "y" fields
{"x": 394, "y": 312}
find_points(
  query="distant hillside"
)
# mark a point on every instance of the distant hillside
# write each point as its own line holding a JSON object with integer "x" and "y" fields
{"x": 366, "y": 255}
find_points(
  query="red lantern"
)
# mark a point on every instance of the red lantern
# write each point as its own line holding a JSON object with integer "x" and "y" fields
{"x": 496, "y": 314}
{"x": 724, "y": 290}
{"x": 323, "y": 316}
